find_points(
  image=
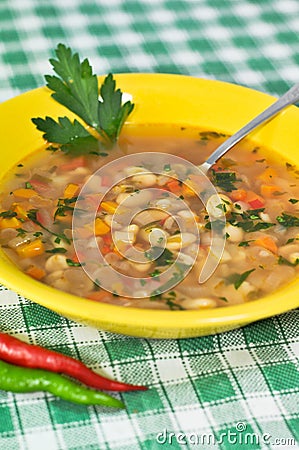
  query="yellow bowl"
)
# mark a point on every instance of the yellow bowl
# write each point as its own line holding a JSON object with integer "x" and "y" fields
{"x": 160, "y": 99}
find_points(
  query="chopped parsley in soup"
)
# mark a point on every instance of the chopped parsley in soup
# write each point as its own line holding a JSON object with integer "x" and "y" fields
{"x": 259, "y": 196}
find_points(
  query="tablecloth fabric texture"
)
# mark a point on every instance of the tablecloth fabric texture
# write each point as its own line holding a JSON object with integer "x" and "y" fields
{"x": 213, "y": 389}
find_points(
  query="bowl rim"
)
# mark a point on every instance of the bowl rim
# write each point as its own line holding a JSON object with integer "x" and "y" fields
{"x": 83, "y": 309}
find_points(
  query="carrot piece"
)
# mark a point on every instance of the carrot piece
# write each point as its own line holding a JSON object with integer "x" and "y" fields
{"x": 21, "y": 212}
{"x": 269, "y": 190}
{"x": 268, "y": 175}
{"x": 36, "y": 272}
{"x": 32, "y": 249}
{"x": 98, "y": 295}
{"x": 238, "y": 195}
{"x": 25, "y": 193}
{"x": 105, "y": 249}
{"x": 11, "y": 222}
{"x": 174, "y": 186}
{"x": 71, "y": 190}
{"x": 188, "y": 191}
{"x": 109, "y": 207}
{"x": 100, "y": 227}
{"x": 268, "y": 243}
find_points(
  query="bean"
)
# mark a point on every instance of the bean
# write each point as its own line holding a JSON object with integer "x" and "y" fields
{"x": 54, "y": 276}
{"x": 180, "y": 241}
{"x": 145, "y": 180}
{"x": 236, "y": 234}
{"x": 240, "y": 207}
{"x": 148, "y": 216}
{"x": 154, "y": 235}
{"x": 187, "y": 215}
{"x": 246, "y": 288}
{"x": 169, "y": 222}
{"x": 61, "y": 244}
{"x": 142, "y": 268}
{"x": 128, "y": 237}
{"x": 218, "y": 205}
{"x": 134, "y": 228}
{"x": 62, "y": 284}
{"x": 8, "y": 234}
{"x": 56, "y": 262}
{"x": 163, "y": 203}
{"x": 135, "y": 199}
{"x": 226, "y": 256}
{"x": 199, "y": 303}
{"x": 265, "y": 217}
{"x": 132, "y": 170}
{"x": 81, "y": 171}
{"x": 149, "y": 304}
{"x": 80, "y": 283}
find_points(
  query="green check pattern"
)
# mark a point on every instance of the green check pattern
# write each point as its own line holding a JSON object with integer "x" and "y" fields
{"x": 207, "y": 392}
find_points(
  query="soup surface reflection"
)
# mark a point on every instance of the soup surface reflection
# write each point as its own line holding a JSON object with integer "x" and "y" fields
{"x": 258, "y": 196}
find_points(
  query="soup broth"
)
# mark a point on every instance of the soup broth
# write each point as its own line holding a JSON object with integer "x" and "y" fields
{"x": 258, "y": 195}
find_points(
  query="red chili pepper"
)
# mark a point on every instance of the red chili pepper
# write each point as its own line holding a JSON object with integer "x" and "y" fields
{"x": 17, "y": 352}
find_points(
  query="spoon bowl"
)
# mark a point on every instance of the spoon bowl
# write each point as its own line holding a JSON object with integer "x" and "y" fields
{"x": 289, "y": 98}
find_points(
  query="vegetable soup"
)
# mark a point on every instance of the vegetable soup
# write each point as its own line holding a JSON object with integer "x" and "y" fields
{"x": 257, "y": 194}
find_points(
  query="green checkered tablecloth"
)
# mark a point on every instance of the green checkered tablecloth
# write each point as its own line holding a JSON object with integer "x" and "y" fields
{"x": 235, "y": 390}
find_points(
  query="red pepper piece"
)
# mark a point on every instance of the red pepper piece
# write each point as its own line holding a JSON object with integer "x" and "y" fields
{"x": 256, "y": 204}
{"x": 39, "y": 186}
{"x": 72, "y": 164}
{"x": 14, "y": 351}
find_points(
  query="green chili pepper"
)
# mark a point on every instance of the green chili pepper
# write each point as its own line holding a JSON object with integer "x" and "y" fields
{"x": 20, "y": 379}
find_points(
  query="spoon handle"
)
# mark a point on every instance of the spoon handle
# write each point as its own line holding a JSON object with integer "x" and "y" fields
{"x": 290, "y": 97}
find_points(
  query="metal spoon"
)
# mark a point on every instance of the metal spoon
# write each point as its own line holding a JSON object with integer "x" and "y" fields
{"x": 290, "y": 97}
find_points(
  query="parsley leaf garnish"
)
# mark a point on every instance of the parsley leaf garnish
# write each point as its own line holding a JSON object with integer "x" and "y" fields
{"x": 250, "y": 220}
{"x": 289, "y": 241}
{"x": 21, "y": 232}
{"x": 63, "y": 205}
{"x": 112, "y": 114}
{"x": 282, "y": 260}
{"x": 71, "y": 136}
{"x": 293, "y": 200}
{"x": 75, "y": 86}
{"x": 237, "y": 279}
{"x": 287, "y": 220}
{"x": 8, "y": 214}
{"x": 224, "y": 299}
{"x": 166, "y": 257}
{"x": 245, "y": 243}
{"x": 225, "y": 180}
{"x": 72, "y": 263}
{"x": 57, "y": 250}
